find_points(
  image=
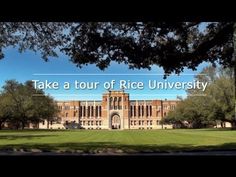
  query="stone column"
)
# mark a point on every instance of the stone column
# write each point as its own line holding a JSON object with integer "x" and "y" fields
{"x": 145, "y": 110}
{"x": 122, "y": 112}
{"x": 86, "y": 109}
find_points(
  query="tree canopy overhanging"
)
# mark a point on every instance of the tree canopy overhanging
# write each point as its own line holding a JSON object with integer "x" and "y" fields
{"x": 171, "y": 45}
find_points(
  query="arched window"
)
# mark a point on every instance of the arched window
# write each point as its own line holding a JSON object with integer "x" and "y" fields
{"x": 115, "y": 102}
{"x": 119, "y": 103}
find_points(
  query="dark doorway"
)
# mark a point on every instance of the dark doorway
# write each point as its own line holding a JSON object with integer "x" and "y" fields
{"x": 115, "y": 121}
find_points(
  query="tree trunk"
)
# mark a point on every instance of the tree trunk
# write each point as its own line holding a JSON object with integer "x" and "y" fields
{"x": 0, "y": 125}
{"x": 221, "y": 124}
{"x": 47, "y": 124}
{"x": 23, "y": 125}
{"x": 17, "y": 125}
{"x": 234, "y": 42}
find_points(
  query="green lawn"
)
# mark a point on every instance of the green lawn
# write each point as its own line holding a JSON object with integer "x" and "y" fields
{"x": 132, "y": 141}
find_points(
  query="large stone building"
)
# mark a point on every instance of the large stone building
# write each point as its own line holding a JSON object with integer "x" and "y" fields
{"x": 114, "y": 111}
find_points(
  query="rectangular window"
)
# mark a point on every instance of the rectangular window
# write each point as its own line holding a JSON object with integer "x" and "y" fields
{"x": 147, "y": 111}
{"x": 142, "y": 111}
{"x": 139, "y": 111}
{"x": 80, "y": 111}
{"x": 88, "y": 111}
{"x": 100, "y": 111}
{"x": 92, "y": 111}
{"x": 150, "y": 107}
{"x": 172, "y": 107}
{"x": 96, "y": 111}
{"x": 84, "y": 110}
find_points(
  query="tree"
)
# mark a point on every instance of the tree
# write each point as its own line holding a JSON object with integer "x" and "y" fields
{"x": 39, "y": 37}
{"x": 170, "y": 45}
{"x": 6, "y": 112}
{"x": 25, "y": 107}
{"x": 176, "y": 117}
{"x": 222, "y": 93}
{"x": 45, "y": 109}
{"x": 218, "y": 104}
{"x": 191, "y": 112}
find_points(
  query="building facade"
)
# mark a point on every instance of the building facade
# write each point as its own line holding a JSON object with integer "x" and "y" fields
{"x": 114, "y": 111}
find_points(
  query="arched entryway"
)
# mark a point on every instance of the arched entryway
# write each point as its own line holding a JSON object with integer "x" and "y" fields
{"x": 115, "y": 121}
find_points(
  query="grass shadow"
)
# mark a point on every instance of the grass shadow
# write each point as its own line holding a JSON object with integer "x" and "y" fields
{"x": 16, "y": 137}
{"x": 218, "y": 129}
{"x": 113, "y": 147}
